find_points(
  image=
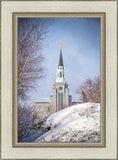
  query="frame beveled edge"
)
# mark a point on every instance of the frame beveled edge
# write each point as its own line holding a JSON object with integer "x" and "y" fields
{"x": 16, "y": 144}
{"x": 55, "y": 0}
{"x": 0, "y": 80}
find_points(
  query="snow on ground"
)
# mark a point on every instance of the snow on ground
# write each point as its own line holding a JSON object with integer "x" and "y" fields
{"x": 78, "y": 123}
{"x": 33, "y": 136}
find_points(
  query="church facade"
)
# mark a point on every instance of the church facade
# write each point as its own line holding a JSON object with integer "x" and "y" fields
{"x": 60, "y": 98}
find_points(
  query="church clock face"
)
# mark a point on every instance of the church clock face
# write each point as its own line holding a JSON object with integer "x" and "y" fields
{"x": 60, "y": 88}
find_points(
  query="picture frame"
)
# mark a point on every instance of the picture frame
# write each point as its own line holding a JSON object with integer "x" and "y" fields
{"x": 103, "y": 106}
{"x": 107, "y": 10}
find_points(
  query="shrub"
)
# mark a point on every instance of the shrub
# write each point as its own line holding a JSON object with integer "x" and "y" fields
{"x": 24, "y": 120}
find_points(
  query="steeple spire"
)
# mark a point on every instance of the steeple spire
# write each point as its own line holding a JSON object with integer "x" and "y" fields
{"x": 60, "y": 69}
{"x": 61, "y": 58}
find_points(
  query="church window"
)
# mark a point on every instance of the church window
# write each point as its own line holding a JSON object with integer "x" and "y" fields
{"x": 60, "y": 74}
{"x": 59, "y": 99}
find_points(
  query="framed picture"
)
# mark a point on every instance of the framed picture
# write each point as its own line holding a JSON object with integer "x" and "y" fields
{"x": 59, "y": 80}
{"x": 88, "y": 96}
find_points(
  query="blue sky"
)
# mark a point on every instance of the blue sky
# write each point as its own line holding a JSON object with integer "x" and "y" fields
{"x": 80, "y": 39}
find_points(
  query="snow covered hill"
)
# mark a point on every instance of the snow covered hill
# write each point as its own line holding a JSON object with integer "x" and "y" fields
{"x": 78, "y": 123}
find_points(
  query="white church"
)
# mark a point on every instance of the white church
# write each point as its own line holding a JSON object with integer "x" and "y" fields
{"x": 60, "y": 98}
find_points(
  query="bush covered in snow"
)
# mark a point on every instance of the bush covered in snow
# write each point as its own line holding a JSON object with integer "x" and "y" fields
{"x": 27, "y": 130}
{"x": 24, "y": 119}
{"x": 78, "y": 123}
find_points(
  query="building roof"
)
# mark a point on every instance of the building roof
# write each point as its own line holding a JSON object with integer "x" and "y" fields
{"x": 61, "y": 60}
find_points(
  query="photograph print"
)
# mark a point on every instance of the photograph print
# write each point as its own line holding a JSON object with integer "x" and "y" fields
{"x": 58, "y": 73}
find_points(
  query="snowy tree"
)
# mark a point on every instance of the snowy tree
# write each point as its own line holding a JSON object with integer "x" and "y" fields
{"x": 84, "y": 96}
{"x": 24, "y": 119}
{"x": 31, "y": 35}
{"x": 89, "y": 90}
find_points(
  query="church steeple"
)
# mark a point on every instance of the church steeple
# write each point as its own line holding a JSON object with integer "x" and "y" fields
{"x": 61, "y": 97}
{"x": 60, "y": 70}
{"x": 61, "y": 58}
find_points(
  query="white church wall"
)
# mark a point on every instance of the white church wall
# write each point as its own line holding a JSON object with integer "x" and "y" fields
{"x": 40, "y": 110}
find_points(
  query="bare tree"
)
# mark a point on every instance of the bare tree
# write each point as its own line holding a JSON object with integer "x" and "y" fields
{"x": 24, "y": 120}
{"x": 84, "y": 96}
{"x": 89, "y": 90}
{"x": 31, "y": 35}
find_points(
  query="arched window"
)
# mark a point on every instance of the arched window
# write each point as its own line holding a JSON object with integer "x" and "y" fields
{"x": 60, "y": 74}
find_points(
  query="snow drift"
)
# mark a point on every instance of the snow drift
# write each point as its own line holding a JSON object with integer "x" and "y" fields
{"x": 78, "y": 123}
